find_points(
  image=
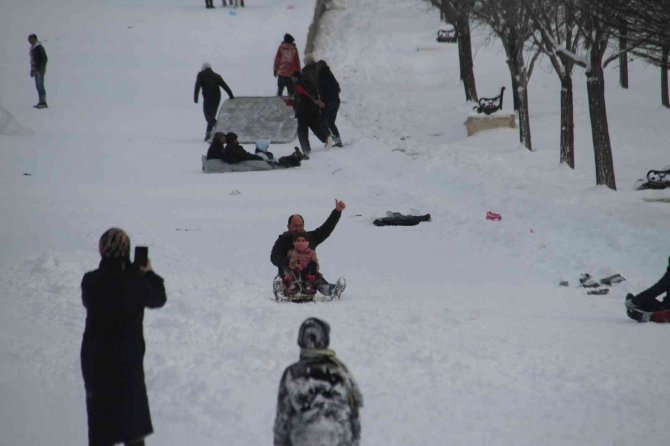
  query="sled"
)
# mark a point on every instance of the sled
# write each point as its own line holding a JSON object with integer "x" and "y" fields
{"x": 257, "y": 117}
{"x": 279, "y": 291}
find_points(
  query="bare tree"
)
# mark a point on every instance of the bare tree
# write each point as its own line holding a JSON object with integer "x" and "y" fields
{"x": 554, "y": 22}
{"x": 457, "y": 13}
{"x": 510, "y": 21}
{"x": 647, "y": 24}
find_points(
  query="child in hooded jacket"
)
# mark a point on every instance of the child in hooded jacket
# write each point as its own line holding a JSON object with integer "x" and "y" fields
{"x": 303, "y": 267}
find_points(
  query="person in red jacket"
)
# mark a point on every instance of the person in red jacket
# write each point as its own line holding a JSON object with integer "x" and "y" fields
{"x": 287, "y": 61}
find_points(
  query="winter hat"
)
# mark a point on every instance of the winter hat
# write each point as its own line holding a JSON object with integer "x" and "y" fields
{"x": 314, "y": 333}
{"x": 262, "y": 145}
{"x": 309, "y": 59}
{"x": 114, "y": 243}
{"x": 300, "y": 234}
{"x": 288, "y": 38}
{"x": 219, "y": 136}
{"x": 205, "y": 66}
{"x": 231, "y": 138}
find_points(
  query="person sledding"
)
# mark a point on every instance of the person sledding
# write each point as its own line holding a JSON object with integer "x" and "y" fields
{"x": 302, "y": 273}
{"x": 645, "y": 307}
{"x": 279, "y": 255}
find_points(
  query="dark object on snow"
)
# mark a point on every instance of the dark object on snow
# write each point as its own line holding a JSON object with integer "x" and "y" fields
{"x": 646, "y": 300}
{"x": 490, "y": 105}
{"x": 656, "y": 179}
{"x": 611, "y": 280}
{"x": 599, "y": 292}
{"x": 319, "y": 400}
{"x": 112, "y": 351}
{"x": 587, "y": 281}
{"x": 641, "y": 315}
{"x": 398, "y": 219}
{"x": 446, "y": 36}
{"x": 563, "y": 283}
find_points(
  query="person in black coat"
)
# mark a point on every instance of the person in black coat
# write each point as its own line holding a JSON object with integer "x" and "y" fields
{"x": 234, "y": 153}
{"x": 210, "y": 82}
{"x": 216, "y": 148}
{"x": 112, "y": 351}
{"x": 296, "y": 225}
{"x": 307, "y": 107}
{"x": 329, "y": 93}
{"x": 38, "y": 69}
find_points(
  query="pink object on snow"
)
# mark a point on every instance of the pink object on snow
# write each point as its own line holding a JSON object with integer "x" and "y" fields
{"x": 493, "y": 216}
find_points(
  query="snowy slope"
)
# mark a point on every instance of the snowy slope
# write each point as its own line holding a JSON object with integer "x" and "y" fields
{"x": 456, "y": 330}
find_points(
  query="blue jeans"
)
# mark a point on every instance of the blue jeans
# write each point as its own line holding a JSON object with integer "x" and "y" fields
{"x": 39, "y": 84}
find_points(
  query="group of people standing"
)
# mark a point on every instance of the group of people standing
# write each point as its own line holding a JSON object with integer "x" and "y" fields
{"x": 315, "y": 91}
{"x": 318, "y": 401}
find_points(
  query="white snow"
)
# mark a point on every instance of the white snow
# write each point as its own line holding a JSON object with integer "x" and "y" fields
{"x": 456, "y": 330}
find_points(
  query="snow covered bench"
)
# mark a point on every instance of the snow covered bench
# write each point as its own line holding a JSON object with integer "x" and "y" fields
{"x": 477, "y": 123}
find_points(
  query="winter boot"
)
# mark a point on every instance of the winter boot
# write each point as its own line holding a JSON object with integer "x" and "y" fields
{"x": 329, "y": 143}
{"x": 278, "y": 288}
{"x": 337, "y": 289}
{"x": 338, "y": 142}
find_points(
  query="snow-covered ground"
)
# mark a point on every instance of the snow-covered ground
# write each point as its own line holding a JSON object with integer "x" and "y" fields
{"x": 456, "y": 330}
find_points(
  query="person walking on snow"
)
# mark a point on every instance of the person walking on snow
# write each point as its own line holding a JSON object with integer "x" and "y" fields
{"x": 329, "y": 93}
{"x": 210, "y": 82}
{"x": 307, "y": 107}
{"x": 318, "y": 402}
{"x": 296, "y": 225}
{"x": 287, "y": 61}
{"x": 38, "y": 68}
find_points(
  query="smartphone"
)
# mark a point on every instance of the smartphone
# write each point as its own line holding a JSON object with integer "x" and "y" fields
{"x": 141, "y": 256}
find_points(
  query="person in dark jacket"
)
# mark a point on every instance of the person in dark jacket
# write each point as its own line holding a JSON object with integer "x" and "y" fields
{"x": 234, "y": 153}
{"x": 216, "y": 148}
{"x": 318, "y": 401}
{"x": 329, "y": 93}
{"x": 112, "y": 351}
{"x": 296, "y": 225}
{"x": 645, "y": 306}
{"x": 210, "y": 82}
{"x": 307, "y": 107}
{"x": 38, "y": 68}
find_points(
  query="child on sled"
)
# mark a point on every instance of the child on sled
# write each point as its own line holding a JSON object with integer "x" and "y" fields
{"x": 302, "y": 274}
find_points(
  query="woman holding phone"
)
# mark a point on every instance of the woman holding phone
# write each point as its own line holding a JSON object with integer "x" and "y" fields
{"x": 112, "y": 350}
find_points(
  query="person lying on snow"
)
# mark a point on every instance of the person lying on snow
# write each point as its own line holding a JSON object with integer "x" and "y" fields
{"x": 302, "y": 273}
{"x": 645, "y": 307}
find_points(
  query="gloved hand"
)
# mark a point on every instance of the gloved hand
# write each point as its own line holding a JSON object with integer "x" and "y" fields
{"x": 195, "y": 100}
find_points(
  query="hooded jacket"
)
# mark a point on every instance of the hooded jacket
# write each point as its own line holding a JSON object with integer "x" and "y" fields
{"x": 209, "y": 82}
{"x": 287, "y": 60}
{"x": 319, "y": 401}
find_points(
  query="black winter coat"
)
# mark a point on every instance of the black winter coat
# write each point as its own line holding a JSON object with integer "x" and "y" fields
{"x": 216, "y": 151}
{"x": 209, "y": 82}
{"x": 112, "y": 350}
{"x": 304, "y": 107}
{"x": 329, "y": 88}
{"x": 646, "y": 300}
{"x": 234, "y": 153}
{"x": 284, "y": 242}
{"x": 38, "y": 58}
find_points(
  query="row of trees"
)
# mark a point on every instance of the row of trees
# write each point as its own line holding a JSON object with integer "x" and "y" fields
{"x": 570, "y": 33}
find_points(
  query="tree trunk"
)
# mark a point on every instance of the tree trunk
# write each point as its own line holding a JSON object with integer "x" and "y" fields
{"x": 602, "y": 149}
{"x": 664, "y": 77}
{"x": 462, "y": 29}
{"x": 623, "y": 60}
{"x": 567, "y": 122}
{"x": 524, "y": 118}
{"x": 515, "y": 94}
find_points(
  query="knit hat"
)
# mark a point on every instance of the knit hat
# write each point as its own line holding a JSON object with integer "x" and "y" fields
{"x": 314, "y": 333}
{"x": 288, "y": 38}
{"x": 205, "y": 66}
{"x": 300, "y": 234}
{"x": 114, "y": 243}
{"x": 231, "y": 137}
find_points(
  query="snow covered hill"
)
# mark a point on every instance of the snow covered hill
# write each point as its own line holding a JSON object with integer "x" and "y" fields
{"x": 456, "y": 330}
